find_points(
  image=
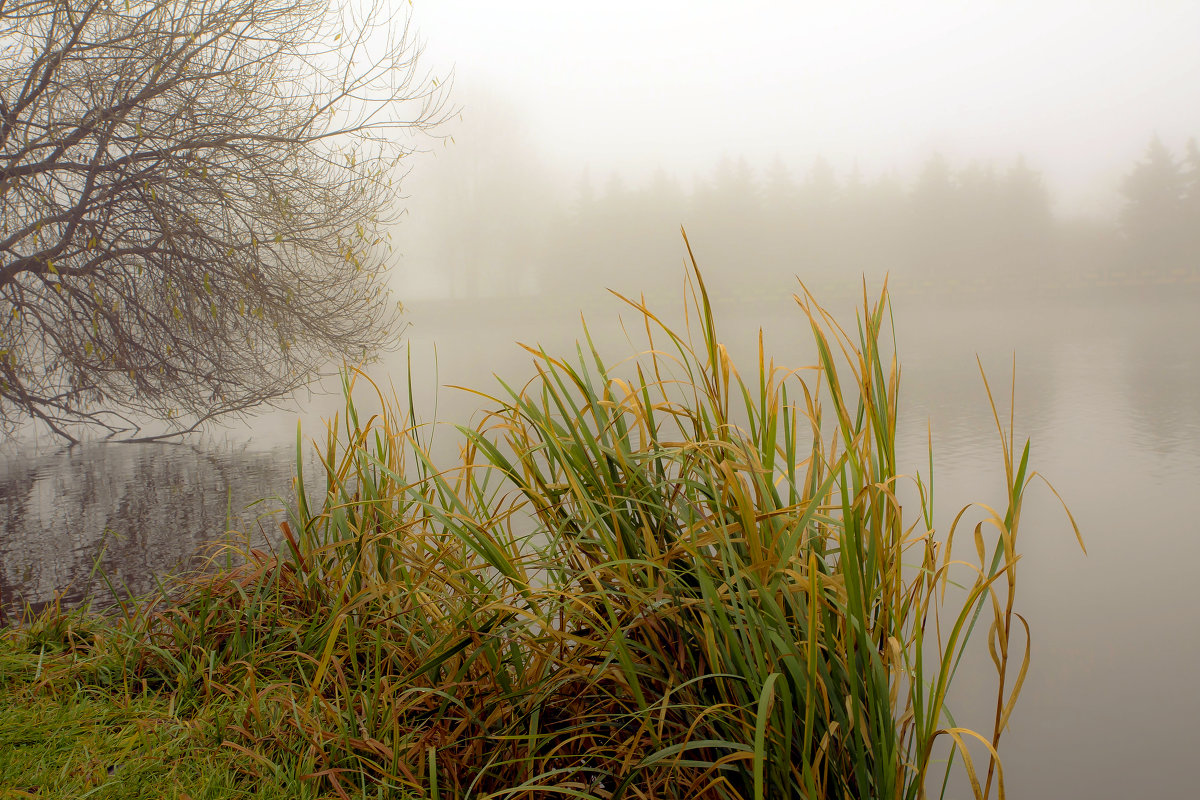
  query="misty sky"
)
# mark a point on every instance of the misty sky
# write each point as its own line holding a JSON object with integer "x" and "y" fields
{"x": 1078, "y": 87}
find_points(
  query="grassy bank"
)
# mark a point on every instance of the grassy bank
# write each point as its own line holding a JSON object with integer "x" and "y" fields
{"x": 68, "y": 732}
{"x": 668, "y": 577}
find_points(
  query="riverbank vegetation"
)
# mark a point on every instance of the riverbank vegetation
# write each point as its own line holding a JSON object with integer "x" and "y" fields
{"x": 63, "y": 736}
{"x": 672, "y": 576}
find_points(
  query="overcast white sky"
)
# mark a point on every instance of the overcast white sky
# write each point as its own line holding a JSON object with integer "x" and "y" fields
{"x": 1079, "y": 87}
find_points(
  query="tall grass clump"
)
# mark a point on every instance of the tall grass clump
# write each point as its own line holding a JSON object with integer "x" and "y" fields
{"x": 667, "y": 578}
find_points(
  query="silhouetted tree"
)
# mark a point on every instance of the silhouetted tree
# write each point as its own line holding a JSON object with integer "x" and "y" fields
{"x": 1024, "y": 221}
{"x": 724, "y": 220}
{"x": 482, "y": 204}
{"x": 585, "y": 193}
{"x": 1154, "y": 220}
{"x": 935, "y": 213}
{"x": 192, "y": 193}
{"x": 779, "y": 190}
{"x": 974, "y": 230}
{"x": 777, "y": 244}
{"x": 1191, "y": 200}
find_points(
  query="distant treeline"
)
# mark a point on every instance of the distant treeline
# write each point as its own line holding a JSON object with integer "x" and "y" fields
{"x": 982, "y": 224}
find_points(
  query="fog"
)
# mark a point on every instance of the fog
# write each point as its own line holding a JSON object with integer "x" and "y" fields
{"x": 820, "y": 124}
{"x": 1024, "y": 174}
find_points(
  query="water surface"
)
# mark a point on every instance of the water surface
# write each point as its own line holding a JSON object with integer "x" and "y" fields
{"x": 1109, "y": 393}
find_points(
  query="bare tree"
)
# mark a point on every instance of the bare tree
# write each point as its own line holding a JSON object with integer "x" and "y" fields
{"x": 193, "y": 194}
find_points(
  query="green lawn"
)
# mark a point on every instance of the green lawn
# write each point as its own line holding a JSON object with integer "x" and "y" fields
{"x": 60, "y": 738}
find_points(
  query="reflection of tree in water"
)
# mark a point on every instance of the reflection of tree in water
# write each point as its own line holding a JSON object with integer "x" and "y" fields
{"x": 148, "y": 508}
{"x": 1130, "y": 366}
{"x": 1162, "y": 376}
{"x": 1134, "y": 368}
{"x": 941, "y": 384}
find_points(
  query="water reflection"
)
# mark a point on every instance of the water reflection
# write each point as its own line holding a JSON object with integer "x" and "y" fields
{"x": 1108, "y": 392}
{"x": 1162, "y": 375}
{"x": 130, "y": 511}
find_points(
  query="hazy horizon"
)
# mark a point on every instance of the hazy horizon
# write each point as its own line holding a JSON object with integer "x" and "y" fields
{"x": 563, "y": 103}
{"x": 629, "y": 88}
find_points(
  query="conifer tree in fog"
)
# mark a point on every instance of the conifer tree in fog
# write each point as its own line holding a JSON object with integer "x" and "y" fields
{"x": 1154, "y": 218}
{"x": 1191, "y": 200}
{"x": 932, "y": 235}
{"x": 192, "y": 198}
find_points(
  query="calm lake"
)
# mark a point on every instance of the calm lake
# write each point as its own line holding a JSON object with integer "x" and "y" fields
{"x": 1109, "y": 393}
